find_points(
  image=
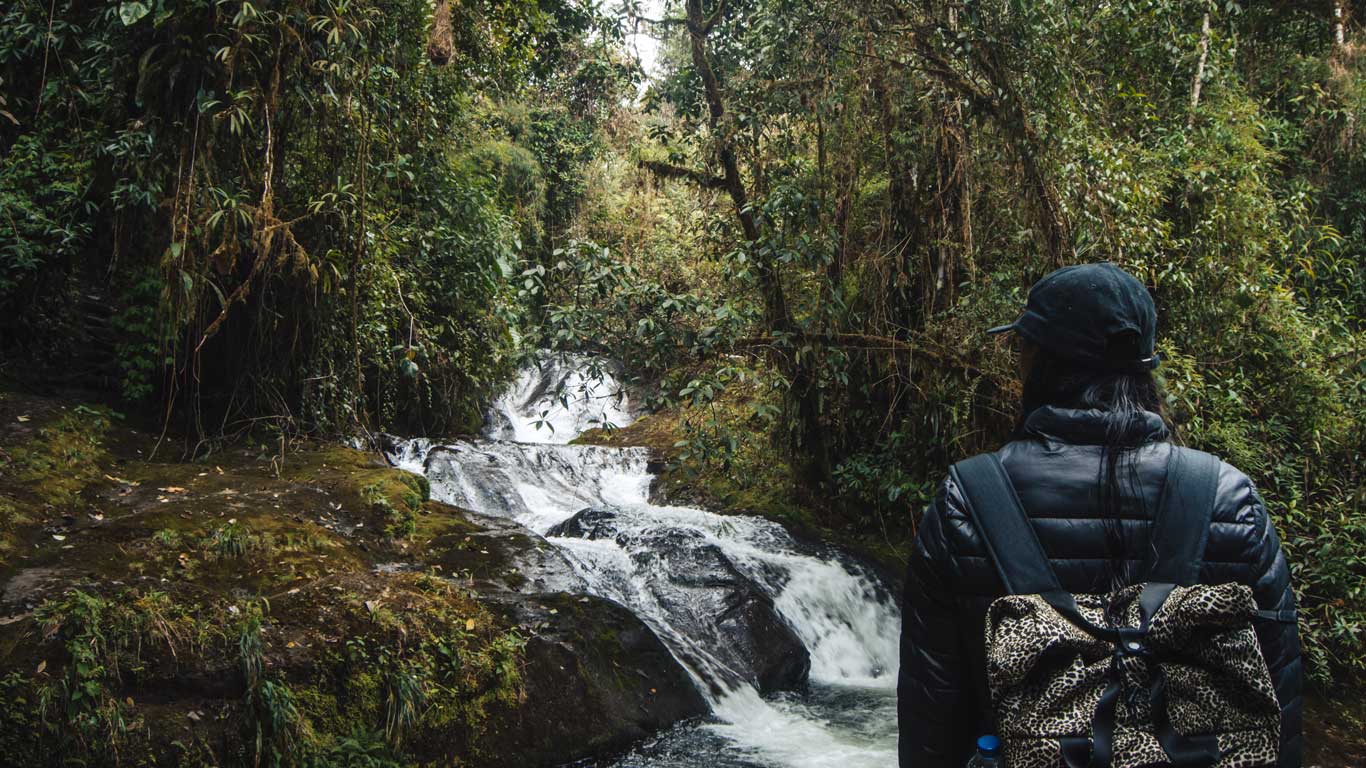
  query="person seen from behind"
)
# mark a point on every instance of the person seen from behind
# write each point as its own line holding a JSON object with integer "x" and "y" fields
{"x": 1121, "y": 542}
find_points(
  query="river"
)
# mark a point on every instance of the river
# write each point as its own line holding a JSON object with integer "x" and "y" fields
{"x": 678, "y": 569}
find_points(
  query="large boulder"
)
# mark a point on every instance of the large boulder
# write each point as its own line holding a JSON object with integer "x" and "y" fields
{"x": 689, "y": 582}
{"x": 266, "y": 604}
{"x": 597, "y": 680}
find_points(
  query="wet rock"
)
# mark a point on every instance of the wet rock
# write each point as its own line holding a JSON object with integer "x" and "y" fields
{"x": 742, "y": 635}
{"x": 31, "y": 585}
{"x": 597, "y": 680}
{"x": 498, "y": 554}
{"x": 591, "y": 523}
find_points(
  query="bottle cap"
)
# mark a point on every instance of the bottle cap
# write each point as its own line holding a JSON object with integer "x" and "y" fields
{"x": 988, "y": 745}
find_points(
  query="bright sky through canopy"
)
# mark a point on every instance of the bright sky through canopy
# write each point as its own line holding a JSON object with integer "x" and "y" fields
{"x": 643, "y": 44}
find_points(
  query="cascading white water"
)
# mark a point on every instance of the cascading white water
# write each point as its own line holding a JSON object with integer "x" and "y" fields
{"x": 678, "y": 569}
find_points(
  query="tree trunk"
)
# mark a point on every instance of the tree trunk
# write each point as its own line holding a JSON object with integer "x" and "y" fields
{"x": 1340, "y": 56}
{"x": 1012, "y": 114}
{"x": 1199, "y": 77}
{"x": 1339, "y": 25}
{"x": 951, "y": 218}
{"x": 805, "y": 390}
{"x": 906, "y": 233}
{"x": 699, "y": 26}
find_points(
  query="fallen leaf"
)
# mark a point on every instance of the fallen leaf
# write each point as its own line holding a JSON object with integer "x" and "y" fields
{"x": 22, "y": 419}
{"x": 193, "y": 716}
{"x": 469, "y": 625}
{"x": 129, "y": 701}
{"x": 371, "y": 605}
{"x": 291, "y": 644}
{"x": 42, "y": 665}
{"x": 58, "y": 537}
{"x": 172, "y": 489}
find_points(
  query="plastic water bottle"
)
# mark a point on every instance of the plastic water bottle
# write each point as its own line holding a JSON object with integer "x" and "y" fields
{"x": 988, "y": 753}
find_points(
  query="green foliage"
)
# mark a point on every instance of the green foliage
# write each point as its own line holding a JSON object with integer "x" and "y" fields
{"x": 434, "y": 664}
{"x": 398, "y": 514}
{"x": 232, "y": 540}
{"x": 142, "y": 342}
{"x": 105, "y": 642}
{"x": 907, "y": 172}
{"x": 274, "y": 723}
{"x": 514, "y": 175}
{"x": 44, "y": 223}
{"x": 282, "y": 210}
{"x": 362, "y": 749}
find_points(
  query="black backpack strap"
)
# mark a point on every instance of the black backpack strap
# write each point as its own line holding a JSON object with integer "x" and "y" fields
{"x": 1181, "y": 528}
{"x": 1000, "y": 519}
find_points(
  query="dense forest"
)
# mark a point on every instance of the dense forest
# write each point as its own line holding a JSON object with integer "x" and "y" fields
{"x": 266, "y": 222}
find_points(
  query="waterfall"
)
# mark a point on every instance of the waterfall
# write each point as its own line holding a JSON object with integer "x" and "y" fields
{"x": 741, "y": 604}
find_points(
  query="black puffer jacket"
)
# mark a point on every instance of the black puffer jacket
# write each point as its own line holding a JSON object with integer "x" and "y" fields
{"x": 943, "y": 704}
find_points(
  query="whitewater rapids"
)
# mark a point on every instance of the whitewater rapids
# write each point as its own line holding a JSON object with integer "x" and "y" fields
{"x": 524, "y": 469}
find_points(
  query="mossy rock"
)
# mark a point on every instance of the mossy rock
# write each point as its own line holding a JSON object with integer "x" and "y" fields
{"x": 315, "y": 603}
{"x": 597, "y": 681}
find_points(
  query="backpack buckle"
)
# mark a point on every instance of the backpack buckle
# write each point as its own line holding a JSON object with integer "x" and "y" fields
{"x": 1132, "y": 642}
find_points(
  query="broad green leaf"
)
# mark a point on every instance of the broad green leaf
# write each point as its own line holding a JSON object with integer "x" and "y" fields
{"x": 132, "y": 11}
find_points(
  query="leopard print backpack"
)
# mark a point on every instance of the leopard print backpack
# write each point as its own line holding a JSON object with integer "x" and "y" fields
{"x": 1163, "y": 673}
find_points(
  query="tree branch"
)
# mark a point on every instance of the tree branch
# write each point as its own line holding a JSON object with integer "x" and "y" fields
{"x": 671, "y": 171}
{"x": 715, "y": 17}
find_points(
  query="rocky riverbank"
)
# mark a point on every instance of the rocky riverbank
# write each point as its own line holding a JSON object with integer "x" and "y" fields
{"x": 290, "y": 603}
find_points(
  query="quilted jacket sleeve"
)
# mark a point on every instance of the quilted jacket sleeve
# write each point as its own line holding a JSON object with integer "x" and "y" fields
{"x": 933, "y": 687}
{"x": 1280, "y": 642}
{"x": 1270, "y": 581}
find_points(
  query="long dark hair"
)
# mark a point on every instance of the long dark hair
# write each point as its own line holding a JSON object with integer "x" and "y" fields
{"x": 1124, "y": 400}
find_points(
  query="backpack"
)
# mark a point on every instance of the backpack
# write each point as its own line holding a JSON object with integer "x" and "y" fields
{"x": 1175, "y": 675}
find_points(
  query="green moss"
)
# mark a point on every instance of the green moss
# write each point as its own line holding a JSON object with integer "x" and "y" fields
{"x": 12, "y": 515}
{"x": 51, "y": 469}
{"x": 322, "y": 711}
{"x": 393, "y": 498}
{"x": 233, "y": 540}
{"x": 63, "y": 458}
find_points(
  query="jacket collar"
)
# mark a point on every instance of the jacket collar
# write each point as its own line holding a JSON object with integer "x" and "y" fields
{"x": 1087, "y": 427}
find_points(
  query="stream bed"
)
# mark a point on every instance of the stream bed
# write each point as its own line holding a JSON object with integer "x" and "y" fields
{"x": 794, "y": 646}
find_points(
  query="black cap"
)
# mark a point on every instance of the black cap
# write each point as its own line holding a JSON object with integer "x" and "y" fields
{"x": 1096, "y": 314}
